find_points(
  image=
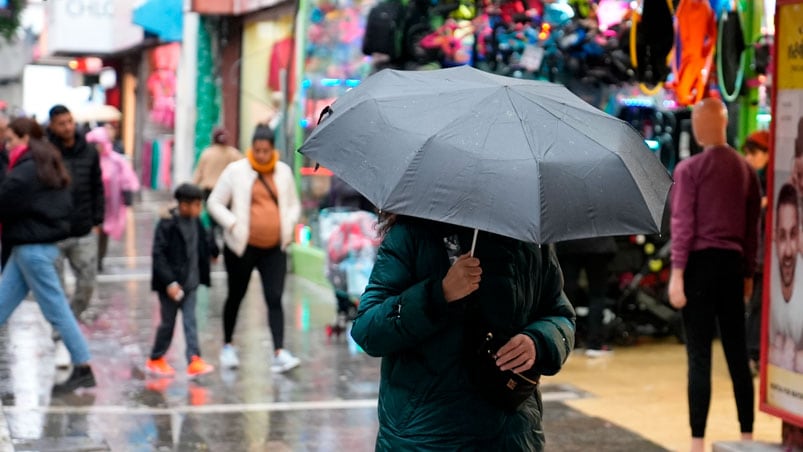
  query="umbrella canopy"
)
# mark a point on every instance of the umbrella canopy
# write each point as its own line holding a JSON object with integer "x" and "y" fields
{"x": 520, "y": 158}
{"x": 96, "y": 113}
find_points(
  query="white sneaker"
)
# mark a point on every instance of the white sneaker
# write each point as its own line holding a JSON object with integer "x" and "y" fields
{"x": 61, "y": 356}
{"x": 228, "y": 357}
{"x": 284, "y": 361}
{"x": 603, "y": 352}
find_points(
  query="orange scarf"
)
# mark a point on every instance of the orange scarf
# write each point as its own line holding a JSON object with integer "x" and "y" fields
{"x": 262, "y": 168}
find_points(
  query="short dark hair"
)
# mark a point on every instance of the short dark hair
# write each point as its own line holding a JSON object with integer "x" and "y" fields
{"x": 787, "y": 195}
{"x": 220, "y": 136}
{"x": 57, "y": 110}
{"x": 263, "y": 132}
{"x": 188, "y": 193}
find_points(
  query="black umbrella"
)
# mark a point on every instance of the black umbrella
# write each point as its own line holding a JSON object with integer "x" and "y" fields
{"x": 520, "y": 158}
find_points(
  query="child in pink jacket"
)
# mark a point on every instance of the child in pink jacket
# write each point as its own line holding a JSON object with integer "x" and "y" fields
{"x": 118, "y": 177}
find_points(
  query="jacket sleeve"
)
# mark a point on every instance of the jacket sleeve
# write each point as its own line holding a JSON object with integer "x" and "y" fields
{"x": 752, "y": 234}
{"x": 130, "y": 180}
{"x": 197, "y": 175}
{"x": 396, "y": 311}
{"x": 98, "y": 199}
{"x": 162, "y": 270}
{"x": 220, "y": 198}
{"x": 553, "y": 329}
{"x": 13, "y": 188}
{"x": 682, "y": 226}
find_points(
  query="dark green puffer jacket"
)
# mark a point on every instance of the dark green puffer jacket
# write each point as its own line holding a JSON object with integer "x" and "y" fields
{"x": 426, "y": 401}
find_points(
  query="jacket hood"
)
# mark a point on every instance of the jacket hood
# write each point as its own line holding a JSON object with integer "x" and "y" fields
{"x": 168, "y": 212}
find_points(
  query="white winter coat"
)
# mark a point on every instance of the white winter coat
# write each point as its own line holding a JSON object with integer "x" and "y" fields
{"x": 230, "y": 203}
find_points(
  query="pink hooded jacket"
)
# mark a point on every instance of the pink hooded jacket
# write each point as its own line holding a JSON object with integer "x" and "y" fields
{"x": 118, "y": 176}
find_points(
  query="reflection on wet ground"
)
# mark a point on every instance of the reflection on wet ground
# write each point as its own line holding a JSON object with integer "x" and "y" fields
{"x": 326, "y": 404}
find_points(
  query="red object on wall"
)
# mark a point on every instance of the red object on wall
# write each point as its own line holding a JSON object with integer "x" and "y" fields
{"x": 162, "y": 84}
{"x": 282, "y": 57}
{"x": 114, "y": 97}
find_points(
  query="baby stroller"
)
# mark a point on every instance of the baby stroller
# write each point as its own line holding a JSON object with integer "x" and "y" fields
{"x": 351, "y": 242}
{"x": 642, "y": 306}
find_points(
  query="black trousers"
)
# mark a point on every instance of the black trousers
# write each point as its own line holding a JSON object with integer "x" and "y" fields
{"x": 714, "y": 284}
{"x": 103, "y": 246}
{"x": 597, "y": 273}
{"x": 272, "y": 267}
{"x": 753, "y": 319}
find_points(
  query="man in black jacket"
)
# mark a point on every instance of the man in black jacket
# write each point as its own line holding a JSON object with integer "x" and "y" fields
{"x": 83, "y": 163}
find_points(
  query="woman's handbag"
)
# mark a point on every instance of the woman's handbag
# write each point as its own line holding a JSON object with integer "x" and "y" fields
{"x": 505, "y": 389}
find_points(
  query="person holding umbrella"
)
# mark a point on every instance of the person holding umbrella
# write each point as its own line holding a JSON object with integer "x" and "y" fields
{"x": 716, "y": 204}
{"x": 425, "y": 318}
{"x": 465, "y": 302}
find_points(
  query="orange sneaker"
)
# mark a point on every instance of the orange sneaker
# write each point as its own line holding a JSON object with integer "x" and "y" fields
{"x": 199, "y": 367}
{"x": 160, "y": 367}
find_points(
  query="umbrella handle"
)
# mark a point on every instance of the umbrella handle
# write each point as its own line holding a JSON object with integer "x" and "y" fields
{"x": 474, "y": 241}
{"x": 327, "y": 110}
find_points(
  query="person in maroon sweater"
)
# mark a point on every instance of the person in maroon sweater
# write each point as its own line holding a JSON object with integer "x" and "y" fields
{"x": 716, "y": 202}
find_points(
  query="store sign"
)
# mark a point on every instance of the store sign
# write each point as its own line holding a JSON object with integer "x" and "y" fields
{"x": 236, "y": 7}
{"x": 91, "y": 26}
{"x": 782, "y": 341}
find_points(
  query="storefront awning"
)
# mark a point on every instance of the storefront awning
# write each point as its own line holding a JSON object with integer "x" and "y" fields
{"x": 164, "y": 18}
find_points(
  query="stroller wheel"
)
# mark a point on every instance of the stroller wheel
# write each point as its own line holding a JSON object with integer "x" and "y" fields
{"x": 621, "y": 333}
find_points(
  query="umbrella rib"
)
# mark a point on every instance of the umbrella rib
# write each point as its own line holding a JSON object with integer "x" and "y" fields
{"x": 432, "y": 137}
{"x": 619, "y": 156}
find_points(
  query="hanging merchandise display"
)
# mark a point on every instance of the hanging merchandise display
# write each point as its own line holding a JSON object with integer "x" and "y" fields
{"x": 207, "y": 94}
{"x": 651, "y": 38}
{"x": 697, "y": 34}
{"x": 730, "y": 55}
{"x": 157, "y": 156}
{"x": 162, "y": 84}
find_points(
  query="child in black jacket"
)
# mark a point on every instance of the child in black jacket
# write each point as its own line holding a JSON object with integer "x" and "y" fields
{"x": 182, "y": 250}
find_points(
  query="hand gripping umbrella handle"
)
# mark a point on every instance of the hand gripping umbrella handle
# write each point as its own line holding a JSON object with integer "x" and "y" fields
{"x": 474, "y": 241}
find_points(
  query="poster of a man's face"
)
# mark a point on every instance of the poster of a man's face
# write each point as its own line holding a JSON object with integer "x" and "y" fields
{"x": 782, "y": 323}
{"x": 787, "y": 230}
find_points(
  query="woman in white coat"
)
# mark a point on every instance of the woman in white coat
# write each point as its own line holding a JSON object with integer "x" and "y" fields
{"x": 256, "y": 204}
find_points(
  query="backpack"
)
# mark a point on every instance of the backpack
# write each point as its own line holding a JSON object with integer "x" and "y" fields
{"x": 384, "y": 29}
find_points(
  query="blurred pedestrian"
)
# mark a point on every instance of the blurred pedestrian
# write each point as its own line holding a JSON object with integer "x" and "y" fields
{"x": 81, "y": 248}
{"x": 214, "y": 159}
{"x": 354, "y": 235}
{"x": 113, "y": 129}
{"x": 256, "y": 203}
{"x": 119, "y": 184}
{"x": 182, "y": 250}
{"x": 35, "y": 208}
{"x": 756, "y": 151}
{"x": 716, "y": 203}
{"x": 463, "y": 345}
{"x": 592, "y": 256}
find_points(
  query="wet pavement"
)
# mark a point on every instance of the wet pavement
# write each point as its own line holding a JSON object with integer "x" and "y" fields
{"x": 326, "y": 404}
